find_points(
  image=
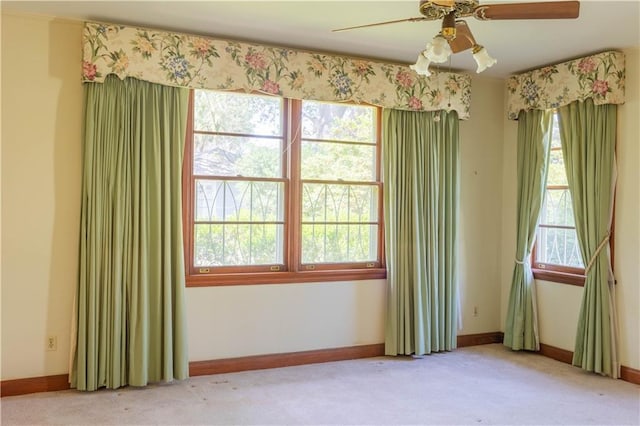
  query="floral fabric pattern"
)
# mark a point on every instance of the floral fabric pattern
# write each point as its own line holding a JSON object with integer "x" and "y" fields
{"x": 600, "y": 77}
{"x": 204, "y": 63}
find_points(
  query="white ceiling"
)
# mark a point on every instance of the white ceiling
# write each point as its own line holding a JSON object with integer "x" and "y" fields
{"x": 518, "y": 45}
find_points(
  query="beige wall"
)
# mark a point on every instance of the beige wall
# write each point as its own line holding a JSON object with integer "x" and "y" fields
{"x": 627, "y": 218}
{"x": 41, "y": 171}
{"x": 559, "y": 304}
{"x": 286, "y": 318}
{"x": 41, "y": 125}
{"x": 233, "y": 321}
{"x": 41, "y": 178}
{"x": 480, "y": 207}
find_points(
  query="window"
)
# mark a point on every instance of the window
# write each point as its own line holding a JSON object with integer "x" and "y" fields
{"x": 556, "y": 256}
{"x": 340, "y": 187}
{"x": 281, "y": 190}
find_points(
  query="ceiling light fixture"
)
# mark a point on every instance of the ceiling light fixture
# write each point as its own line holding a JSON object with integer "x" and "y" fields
{"x": 440, "y": 48}
{"x": 482, "y": 58}
{"x": 457, "y": 34}
{"x": 422, "y": 65}
{"x": 437, "y": 51}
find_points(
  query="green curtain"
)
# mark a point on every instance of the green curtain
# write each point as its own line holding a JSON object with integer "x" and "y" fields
{"x": 130, "y": 303}
{"x": 534, "y": 133}
{"x": 420, "y": 174}
{"x": 588, "y": 134}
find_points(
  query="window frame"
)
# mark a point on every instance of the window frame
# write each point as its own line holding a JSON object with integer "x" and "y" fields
{"x": 296, "y": 148}
{"x": 292, "y": 270}
{"x": 560, "y": 273}
{"x": 550, "y": 271}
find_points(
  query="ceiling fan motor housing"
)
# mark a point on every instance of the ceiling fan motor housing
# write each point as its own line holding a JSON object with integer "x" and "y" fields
{"x": 449, "y": 26}
{"x": 438, "y": 9}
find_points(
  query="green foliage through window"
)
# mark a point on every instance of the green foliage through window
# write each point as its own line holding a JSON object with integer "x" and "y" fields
{"x": 339, "y": 220}
{"x": 238, "y": 216}
{"x": 557, "y": 241}
{"x": 242, "y": 182}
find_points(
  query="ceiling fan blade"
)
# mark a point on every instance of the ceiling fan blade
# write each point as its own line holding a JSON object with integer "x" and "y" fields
{"x": 417, "y": 19}
{"x": 545, "y": 10}
{"x": 464, "y": 39}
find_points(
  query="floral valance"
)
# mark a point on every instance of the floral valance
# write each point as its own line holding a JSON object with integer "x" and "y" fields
{"x": 201, "y": 62}
{"x": 599, "y": 77}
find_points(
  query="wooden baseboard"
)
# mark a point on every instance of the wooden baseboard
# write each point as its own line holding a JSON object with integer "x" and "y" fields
{"x": 629, "y": 374}
{"x": 259, "y": 362}
{"x": 558, "y": 354}
{"x": 480, "y": 339}
{"x": 34, "y": 384}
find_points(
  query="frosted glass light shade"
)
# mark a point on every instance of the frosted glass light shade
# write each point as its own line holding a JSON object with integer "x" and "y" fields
{"x": 483, "y": 59}
{"x": 438, "y": 50}
{"x": 422, "y": 65}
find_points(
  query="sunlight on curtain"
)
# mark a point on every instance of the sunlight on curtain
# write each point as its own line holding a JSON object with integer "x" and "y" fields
{"x": 588, "y": 135}
{"x": 131, "y": 326}
{"x": 421, "y": 187}
{"x": 534, "y": 134}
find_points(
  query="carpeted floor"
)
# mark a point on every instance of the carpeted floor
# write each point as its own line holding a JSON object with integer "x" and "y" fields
{"x": 472, "y": 386}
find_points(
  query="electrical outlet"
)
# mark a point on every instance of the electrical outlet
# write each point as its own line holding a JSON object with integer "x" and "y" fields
{"x": 52, "y": 343}
{"x": 475, "y": 311}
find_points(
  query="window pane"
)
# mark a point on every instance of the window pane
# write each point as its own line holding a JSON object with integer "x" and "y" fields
{"x": 244, "y": 176}
{"x": 558, "y": 247}
{"x": 332, "y": 161}
{"x": 322, "y": 243}
{"x": 215, "y": 155}
{"x": 237, "y": 113}
{"x": 323, "y": 120}
{"x": 339, "y": 203}
{"x": 232, "y": 245}
{"x": 239, "y": 201}
{"x": 555, "y": 132}
{"x": 336, "y": 218}
{"x": 557, "y": 174}
{"x": 557, "y": 208}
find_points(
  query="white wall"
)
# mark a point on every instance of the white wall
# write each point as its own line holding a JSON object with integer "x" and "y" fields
{"x": 627, "y": 217}
{"x": 41, "y": 126}
{"x": 509, "y": 211}
{"x": 480, "y": 207}
{"x": 559, "y": 304}
{"x": 41, "y": 181}
{"x": 41, "y": 172}
{"x": 249, "y": 320}
{"x": 233, "y": 321}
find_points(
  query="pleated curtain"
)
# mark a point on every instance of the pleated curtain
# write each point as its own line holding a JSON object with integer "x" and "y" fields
{"x": 588, "y": 135}
{"x": 421, "y": 190}
{"x": 130, "y": 307}
{"x": 534, "y": 133}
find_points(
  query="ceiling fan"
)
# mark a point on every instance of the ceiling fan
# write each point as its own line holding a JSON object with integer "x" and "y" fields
{"x": 456, "y": 36}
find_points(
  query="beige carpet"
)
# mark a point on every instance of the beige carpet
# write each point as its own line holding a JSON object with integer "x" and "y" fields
{"x": 473, "y": 386}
